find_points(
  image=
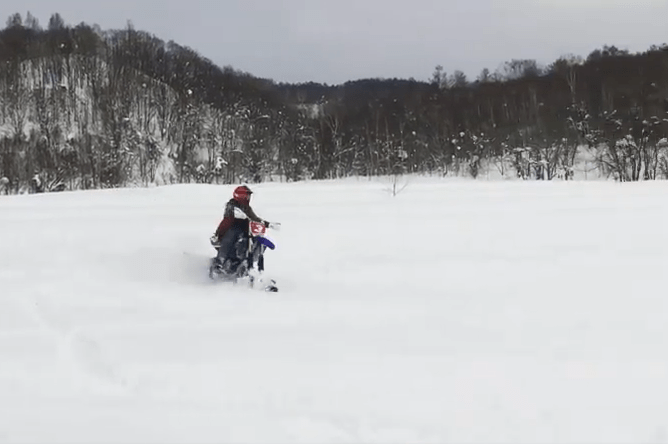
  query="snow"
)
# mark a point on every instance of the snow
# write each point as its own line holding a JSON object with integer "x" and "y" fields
{"x": 457, "y": 311}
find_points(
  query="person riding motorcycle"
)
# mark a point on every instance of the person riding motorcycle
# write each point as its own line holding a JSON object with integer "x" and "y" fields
{"x": 231, "y": 228}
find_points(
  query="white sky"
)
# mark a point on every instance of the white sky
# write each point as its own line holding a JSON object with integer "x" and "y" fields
{"x": 335, "y": 41}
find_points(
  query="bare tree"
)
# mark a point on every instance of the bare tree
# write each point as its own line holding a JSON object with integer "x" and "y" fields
{"x": 484, "y": 76}
{"x": 459, "y": 80}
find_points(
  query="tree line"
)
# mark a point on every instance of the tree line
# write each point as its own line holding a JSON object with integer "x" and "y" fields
{"x": 84, "y": 108}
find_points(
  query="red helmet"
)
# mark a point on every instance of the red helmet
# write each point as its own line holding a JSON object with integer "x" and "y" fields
{"x": 242, "y": 194}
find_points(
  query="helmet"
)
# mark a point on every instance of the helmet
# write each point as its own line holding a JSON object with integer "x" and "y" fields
{"x": 242, "y": 194}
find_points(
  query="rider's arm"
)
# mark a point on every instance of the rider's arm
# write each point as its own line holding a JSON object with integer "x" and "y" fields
{"x": 252, "y": 216}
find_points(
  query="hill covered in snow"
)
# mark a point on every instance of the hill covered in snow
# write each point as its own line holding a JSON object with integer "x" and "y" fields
{"x": 455, "y": 311}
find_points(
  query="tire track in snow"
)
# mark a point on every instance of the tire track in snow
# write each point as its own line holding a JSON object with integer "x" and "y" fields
{"x": 314, "y": 426}
{"x": 81, "y": 352}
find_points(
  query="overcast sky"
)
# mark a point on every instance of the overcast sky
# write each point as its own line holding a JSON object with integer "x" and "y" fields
{"x": 334, "y": 41}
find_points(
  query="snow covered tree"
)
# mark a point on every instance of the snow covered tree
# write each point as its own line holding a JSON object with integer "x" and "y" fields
{"x": 4, "y": 185}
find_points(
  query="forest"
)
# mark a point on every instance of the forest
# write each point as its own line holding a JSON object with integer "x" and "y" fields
{"x": 86, "y": 108}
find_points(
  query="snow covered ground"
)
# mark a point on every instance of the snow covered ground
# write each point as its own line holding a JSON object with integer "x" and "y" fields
{"x": 457, "y": 311}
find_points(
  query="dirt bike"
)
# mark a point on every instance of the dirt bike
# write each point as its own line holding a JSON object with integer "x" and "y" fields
{"x": 247, "y": 262}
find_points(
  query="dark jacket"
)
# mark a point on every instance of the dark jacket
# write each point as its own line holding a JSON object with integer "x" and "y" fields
{"x": 229, "y": 219}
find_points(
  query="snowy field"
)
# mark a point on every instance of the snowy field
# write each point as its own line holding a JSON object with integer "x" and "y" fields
{"x": 457, "y": 311}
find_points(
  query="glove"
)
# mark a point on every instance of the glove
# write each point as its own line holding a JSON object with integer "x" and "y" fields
{"x": 214, "y": 240}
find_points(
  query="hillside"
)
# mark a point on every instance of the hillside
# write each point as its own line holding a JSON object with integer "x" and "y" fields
{"x": 85, "y": 108}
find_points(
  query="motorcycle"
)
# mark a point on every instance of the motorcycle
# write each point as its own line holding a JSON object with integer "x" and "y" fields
{"x": 248, "y": 261}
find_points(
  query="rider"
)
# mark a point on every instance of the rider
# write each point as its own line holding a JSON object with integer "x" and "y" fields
{"x": 230, "y": 229}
